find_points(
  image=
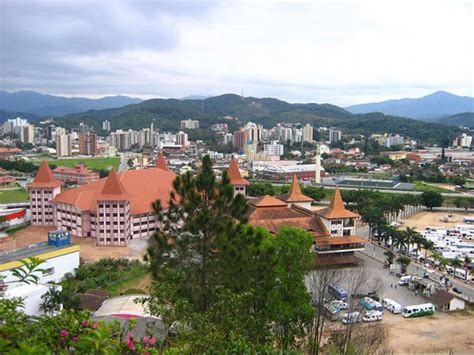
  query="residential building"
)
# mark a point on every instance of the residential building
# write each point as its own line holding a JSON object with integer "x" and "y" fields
{"x": 308, "y": 133}
{"x": 182, "y": 139}
{"x": 254, "y": 132}
{"x": 227, "y": 138}
{"x": 189, "y": 124}
{"x": 445, "y": 301}
{"x": 240, "y": 139}
{"x": 120, "y": 139}
{"x": 463, "y": 141}
{"x": 236, "y": 179}
{"x": 13, "y": 125}
{"x": 8, "y": 153}
{"x": 80, "y": 174}
{"x": 27, "y": 134}
{"x": 220, "y": 128}
{"x": 63, "y": 143}
{"x": 334, "y": 135}
{"x": 144, "y": 138}
{"x": 106, "y": 125}
{"x": 393, "y": 140}
{"x": 113, "y": 210}
{"x": 285, "y": 135}
{"x": 274, "y": 148}
{"x": 87, "y": 143}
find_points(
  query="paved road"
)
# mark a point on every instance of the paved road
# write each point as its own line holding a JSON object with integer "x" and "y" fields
{"x": 376, "y": 252}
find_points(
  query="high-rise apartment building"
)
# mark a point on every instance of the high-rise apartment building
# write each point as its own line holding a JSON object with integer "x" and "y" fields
{"x": 106, "y": 125}
{"x": 120, "y": 139}
{"x": 274, "y": 148}
{"x": 334, "y": 135}
{"x": 88, "y": 143}
{"x": 182, "y": 139}
{"x": 240, "y": 139}
{"x": 63, "y": 143}
{"x": 27, "y": 134}
{"x": 254, "y": 132}
{"x": 308, "y": 133}
{"x": 189, "y": 124}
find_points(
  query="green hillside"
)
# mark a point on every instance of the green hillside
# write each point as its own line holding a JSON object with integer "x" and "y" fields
{"x": 167, "y": 113}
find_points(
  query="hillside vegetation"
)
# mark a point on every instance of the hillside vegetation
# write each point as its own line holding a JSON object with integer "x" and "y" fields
{"x": 167, "y": 113}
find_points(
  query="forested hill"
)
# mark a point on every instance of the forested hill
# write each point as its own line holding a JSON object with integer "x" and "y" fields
{"x": 167, "y": 113}
{"x": 465, "y": 119}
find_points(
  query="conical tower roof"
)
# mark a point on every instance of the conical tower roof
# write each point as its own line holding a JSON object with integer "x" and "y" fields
{"x": 336, "y": 208}
{"x": 113, "y": 188}
{"x": 44, "y": 177}
{"x": 161, "y": 162}
{"x": 295, "y": 194}
{"x": 234, "y": 174}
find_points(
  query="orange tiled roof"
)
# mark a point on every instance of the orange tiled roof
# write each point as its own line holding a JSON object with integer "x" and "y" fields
{"x": 142, "y": 186}
{"x": 336, "y": 209}
{"x": 295, "y": 194}
{"x": 234, "y": 174}
{"x": 78, "y": 169}
{"x": 161, "y": 162}
{"x": 44, "y": 177}
{"x": 267, "y": 201}
{"x": 113, "y": 188}
{"x": 9, "y": 150}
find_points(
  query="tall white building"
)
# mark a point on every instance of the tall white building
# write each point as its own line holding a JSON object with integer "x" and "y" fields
{"x": 254, "y": 132}
{"x": 285, "y": 134}
{"x": 120, "y": 139}
{"x": 182, "y": 139}
{"x": 393, "y": 140}
{"x": 106, "y": 125}
{"x": 144, "y": 137}
{"x": 274, "y": 148}
{"x": 463, "y": 141}
{"x": 334, "y": 135}
{"x": 308, "y": 133}
{"x": 14, "y": 125}
{"x": 63, "y": 143}
{"x": 189, "y": 124}
{"x": 228, "y": 138}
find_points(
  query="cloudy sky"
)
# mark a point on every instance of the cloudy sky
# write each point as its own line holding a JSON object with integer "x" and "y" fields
{"x": 308, "y": 51}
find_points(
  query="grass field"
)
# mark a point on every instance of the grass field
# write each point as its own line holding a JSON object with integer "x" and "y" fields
{"x": 421, "y": 186}
{"x": 137, "y": 283}
{"x": 9, "y": 196}
{"x": 92, "y": 163}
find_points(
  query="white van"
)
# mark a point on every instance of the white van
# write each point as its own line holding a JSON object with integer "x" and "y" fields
{"x": 372, "y": 316}
{"x": 404, "y": 280}
{"x": 351, "y": 318}
{"x": 392, "y": 306}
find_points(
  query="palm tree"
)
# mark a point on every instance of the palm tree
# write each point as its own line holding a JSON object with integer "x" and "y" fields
{"x": 52, "y": 301}
{"x": 390, "y": 256}
{"x": 428, "y": 245}
{"x": 400, "y": 240}
{"x": 404, "y": 261}
{"x": 456, "y": 263}
{"x": 410, "y": 234}
{"x": 467, "y": 261}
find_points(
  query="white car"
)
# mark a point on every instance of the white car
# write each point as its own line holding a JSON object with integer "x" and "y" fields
{"x": 372, "y": 316}
{"x": 340, "y": 304}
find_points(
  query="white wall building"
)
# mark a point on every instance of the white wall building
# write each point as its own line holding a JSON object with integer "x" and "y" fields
{"x": 189, "y": 124}
{"x": 334, "y": 135}
{"x": 274, "y": 149}
{"x": 308, "y": 133}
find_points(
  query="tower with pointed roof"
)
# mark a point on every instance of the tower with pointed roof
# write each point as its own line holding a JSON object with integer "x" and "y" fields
{"x": 236, "y": 180}
{"x": 161, "y": 162}
{"x": 295, "y": 196}
{"x": 43, "y": 189}
{"x": 113, "y": 213}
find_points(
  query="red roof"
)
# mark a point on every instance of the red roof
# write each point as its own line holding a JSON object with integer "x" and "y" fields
{"x": 45, "y": 177}
{"x": 234, "y": 174}
{"x": 295, "y": 194}
{"x": 161, "y": 162}
{"x": 336, "y": 209}
{"x": 78, "y": 169}
{"x": 113, "y": 188}
{"x": 142, "y": 187}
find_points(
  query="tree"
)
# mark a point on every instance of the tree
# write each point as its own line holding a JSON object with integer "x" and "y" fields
{"x": 390, "y": 256}
{"x": 456, "y": 263}
{"x": 431, "y": 199}
{"x": 404, "y": 261}
{"x": 316, "y": 193}
{"x": 260, "y": 189}
{"x": 428, "y": 245}
{"x": 200, "y": 208}
{"x": 51, "y": 301}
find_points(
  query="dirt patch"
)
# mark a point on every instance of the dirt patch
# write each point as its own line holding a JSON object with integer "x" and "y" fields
{"x": 441, "y": 333}
{"x": 136, "y": 249}
{"x": 424, "y": 219}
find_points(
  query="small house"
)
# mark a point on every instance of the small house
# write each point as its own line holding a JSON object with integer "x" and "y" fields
{"x": 445, "y": 301}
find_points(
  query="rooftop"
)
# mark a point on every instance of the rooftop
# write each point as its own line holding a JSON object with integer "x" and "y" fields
{"x": 234, "y": 174}
{"x": 336, "y": 209}
{"x": 44, "y": 177}
{"x": 295, "y": 194}
{"x": 29, "y": 251}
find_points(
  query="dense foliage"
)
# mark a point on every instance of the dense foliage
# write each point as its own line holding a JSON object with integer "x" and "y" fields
{"x": 220, "y": 283}
{"x": 18, "y": 165}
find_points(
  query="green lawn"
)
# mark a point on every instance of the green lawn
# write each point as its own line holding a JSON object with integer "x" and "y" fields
{"x": 136, "y": 284}
{"x": 92, "y": 163}
{"x": 421, "y": 186}
{"x": 9, "y": 196}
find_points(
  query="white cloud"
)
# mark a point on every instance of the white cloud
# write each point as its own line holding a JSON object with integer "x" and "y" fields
{"x": 342, "y": 53}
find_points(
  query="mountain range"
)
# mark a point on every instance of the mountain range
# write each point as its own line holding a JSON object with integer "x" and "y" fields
{"x": 437, "y": 104}
{"x": 32, "y": 102}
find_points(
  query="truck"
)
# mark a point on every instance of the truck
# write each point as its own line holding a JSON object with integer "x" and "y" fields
{"x": 338, "y": 292}
{"x": 370, "y": 304}
{"x": 404, "y": 280}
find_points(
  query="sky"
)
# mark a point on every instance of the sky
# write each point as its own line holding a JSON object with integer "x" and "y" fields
{"x": 342, "y": 53}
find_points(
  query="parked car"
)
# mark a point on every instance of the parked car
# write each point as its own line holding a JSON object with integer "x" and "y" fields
{"x": 457, "y": 290}
{"x": 351, "y": 318}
